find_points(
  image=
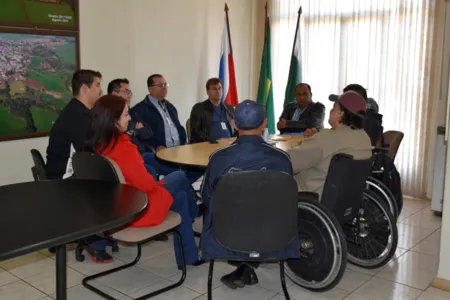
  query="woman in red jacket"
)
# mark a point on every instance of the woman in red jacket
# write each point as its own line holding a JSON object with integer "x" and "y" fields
{"x": 107, "y": 137}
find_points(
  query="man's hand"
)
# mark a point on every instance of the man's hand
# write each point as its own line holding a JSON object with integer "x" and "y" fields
{"x": 310, "y": 132}
{"x": 160, "y": 148}
{"x": 139, "y": 125}
{"x": 281, "y": 124}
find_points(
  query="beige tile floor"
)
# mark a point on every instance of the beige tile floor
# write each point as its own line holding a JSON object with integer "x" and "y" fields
{"x": 408, "y": 276}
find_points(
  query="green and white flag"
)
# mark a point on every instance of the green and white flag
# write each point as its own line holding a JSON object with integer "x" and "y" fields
{"x": 295, "y": 69}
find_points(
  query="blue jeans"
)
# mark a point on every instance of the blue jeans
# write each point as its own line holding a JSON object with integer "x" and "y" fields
{"x": 177, "y": 184}
{"x": 163, "y": 169}
{"x": 97, "y": 243}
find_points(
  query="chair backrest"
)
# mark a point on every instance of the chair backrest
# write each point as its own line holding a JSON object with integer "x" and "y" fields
{"x": 255, "y": 211}
{"x": 393, "y": 139}
{"x": 188, "y": 130}
{"x": 91, "y": 166}
{"x": 38, "y": 170}
{"x": 344, "y": 186}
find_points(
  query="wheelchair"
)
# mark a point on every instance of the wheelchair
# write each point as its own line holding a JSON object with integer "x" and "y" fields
{"x": 350, "y": 222}
{"x": 385, "y": 180}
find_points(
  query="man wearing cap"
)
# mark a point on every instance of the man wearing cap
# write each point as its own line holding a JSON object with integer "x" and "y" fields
{"x": 248, "y": 152}
{"x": 373, "y": 120}
{"x": 302, "y": 114}
{"x": 311, "y": 159}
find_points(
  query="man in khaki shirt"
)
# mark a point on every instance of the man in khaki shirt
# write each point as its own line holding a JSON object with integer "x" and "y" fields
{"x": 311, "y": 159}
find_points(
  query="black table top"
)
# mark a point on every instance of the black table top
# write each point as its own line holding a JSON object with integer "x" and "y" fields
{"x": 39, "y": 215}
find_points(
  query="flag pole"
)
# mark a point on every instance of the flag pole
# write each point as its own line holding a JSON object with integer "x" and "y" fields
{"x": 265, "y": 24}
{"x": 228, "y": 28}
{"x": 296, "y": 29}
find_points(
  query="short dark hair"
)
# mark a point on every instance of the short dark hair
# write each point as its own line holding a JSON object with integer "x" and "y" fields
{"x": 114, "y": 86}
{"x": 81, "y": 77}
{"x": 352, "y": 120}
{"x": 213, "y": 81}
{"x": 305, "y": 84}
{"x": 357, "y": 88}
{"x": 150, "y": 81}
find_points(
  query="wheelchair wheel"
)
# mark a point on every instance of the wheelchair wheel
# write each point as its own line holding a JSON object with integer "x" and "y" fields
{"x": 383, "y": 192}
{"x": 322, "y": 247}
{"x": 372, "y": 237}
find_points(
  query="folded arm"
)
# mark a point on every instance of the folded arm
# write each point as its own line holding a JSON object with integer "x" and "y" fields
{"x": 314, "y": 119}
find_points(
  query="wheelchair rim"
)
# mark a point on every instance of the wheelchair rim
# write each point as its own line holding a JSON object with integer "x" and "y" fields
{"x": 389, "y": 245}
{"x": 372, "y": 183}
{"x": 337, "y": 249}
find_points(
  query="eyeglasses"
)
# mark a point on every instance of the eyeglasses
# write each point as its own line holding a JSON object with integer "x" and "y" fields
{"x": 163, "y": 85}
{"x": 127, "y": 92}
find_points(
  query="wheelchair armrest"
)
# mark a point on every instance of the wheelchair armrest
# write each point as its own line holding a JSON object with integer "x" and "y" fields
{"x": 308, "y": 196}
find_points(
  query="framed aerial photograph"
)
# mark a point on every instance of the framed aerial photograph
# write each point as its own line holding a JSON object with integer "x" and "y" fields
{"x": 35, "y": 80}
{"x": 40, "y": 14}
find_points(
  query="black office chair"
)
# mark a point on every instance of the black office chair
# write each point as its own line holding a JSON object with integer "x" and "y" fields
{"x": 39, "y": 173}
{"x": 90, "y": 166}
{"x": 38, "y": 170}
{"x": 255, "y": 212}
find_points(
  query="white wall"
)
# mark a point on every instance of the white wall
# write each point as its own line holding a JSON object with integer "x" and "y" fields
{"x": 133, "y": 39}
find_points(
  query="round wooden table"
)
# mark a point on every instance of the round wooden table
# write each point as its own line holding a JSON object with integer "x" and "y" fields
{"x": 196, "y": 156}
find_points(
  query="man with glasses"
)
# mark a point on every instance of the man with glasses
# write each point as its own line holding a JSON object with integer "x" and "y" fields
{"x": 162, "y": 116}
{"x": 138, "y": 132}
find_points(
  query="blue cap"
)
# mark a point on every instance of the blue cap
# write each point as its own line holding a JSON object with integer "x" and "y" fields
{"x": 249, "y": 115}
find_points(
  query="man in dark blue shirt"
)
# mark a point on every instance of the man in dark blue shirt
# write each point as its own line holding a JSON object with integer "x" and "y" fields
{"x": 211, "y": 119}
{"x": 139, "y": 133}
{"x": 248, "y": 152}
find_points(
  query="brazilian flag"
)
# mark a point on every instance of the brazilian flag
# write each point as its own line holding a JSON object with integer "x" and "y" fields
{"x": 265, "y": 92}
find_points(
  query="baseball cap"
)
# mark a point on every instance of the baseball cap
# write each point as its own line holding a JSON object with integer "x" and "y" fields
{"x": 249, "y": 115}
{"x": 352, "y": 101}
{"x": 370, "y": 103}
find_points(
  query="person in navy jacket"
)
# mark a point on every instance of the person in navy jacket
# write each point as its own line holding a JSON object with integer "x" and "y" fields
{"x": 248, "y": 152}
{"x": 139, "y": 132}
{"x": 162, "y": 117}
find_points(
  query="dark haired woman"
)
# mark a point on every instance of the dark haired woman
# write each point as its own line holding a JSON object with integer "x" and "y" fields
{"x": 107, "y": 137}
{"x": 311, "y": 159}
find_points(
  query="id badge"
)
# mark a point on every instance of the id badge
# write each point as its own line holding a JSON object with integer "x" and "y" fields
{"x": 169, "y": 121}
{"x": 224, "y": 126}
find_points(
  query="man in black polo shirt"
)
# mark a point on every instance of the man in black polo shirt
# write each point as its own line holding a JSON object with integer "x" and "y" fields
{"x": 68, "y": 136}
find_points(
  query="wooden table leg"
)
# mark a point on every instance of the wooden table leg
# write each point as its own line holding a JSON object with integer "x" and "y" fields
{"x": 61, "y": 273}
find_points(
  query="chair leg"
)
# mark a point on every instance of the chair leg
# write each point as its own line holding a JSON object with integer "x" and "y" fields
{"x": 183, "y": 275}
{"x": 283, "y": 281}
{"x": 210, "y": 277}
{"x": 86, "y": 280}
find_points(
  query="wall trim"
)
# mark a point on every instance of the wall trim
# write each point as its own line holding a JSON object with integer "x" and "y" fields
{"x": 441, "y": 284}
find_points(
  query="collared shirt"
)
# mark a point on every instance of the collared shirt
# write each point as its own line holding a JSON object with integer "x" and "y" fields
{"x": 298, "y": 113}
{"x": 220, "y": 128}
{"x": 171, "y": 131}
